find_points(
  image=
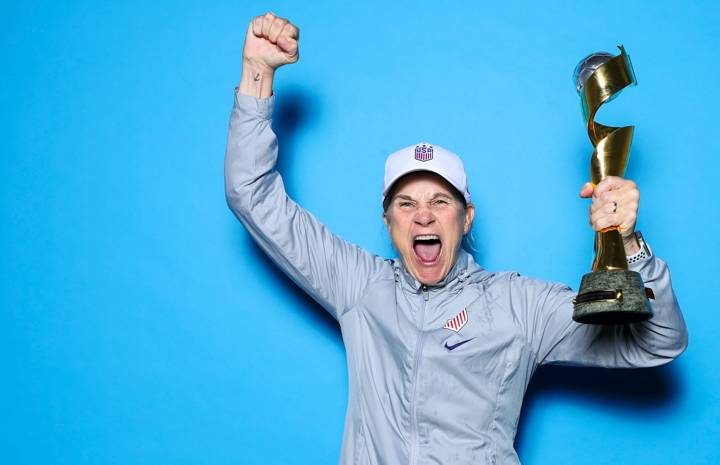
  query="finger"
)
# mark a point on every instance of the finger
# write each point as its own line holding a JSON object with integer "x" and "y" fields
{"x": 288, "y": 45}
{"x": 625, "y": 218}
{"x": 626, "y": 225}
{"x": 629, "y": 215}
{"x": 606, "y": 200}
{"x": 628, "y": 200}
{"x": 275, "y": 28}
{"x": 609, "y": 196}
{"x": 267, "y": 22}
{"x": 612, "y": 208}
{"x": 601, "y": 209}
{"x": 257, "y": 26}
{"x": 604, "y": 222}
{"x": 587, "y": 190}
{"x": 631, "y": 192}
{"x": 610, "y": 183}
{"x": 621, "y": 214}
{"x": 291, "y": 31}
{"x": 599, "y": 219}
{"x": 627, "y": 195}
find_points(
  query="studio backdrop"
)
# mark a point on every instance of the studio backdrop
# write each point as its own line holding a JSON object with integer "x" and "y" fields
{"x": 140, "y": 325}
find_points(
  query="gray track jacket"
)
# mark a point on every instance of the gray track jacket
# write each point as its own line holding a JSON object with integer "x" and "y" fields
{"x": 420, "y": 393}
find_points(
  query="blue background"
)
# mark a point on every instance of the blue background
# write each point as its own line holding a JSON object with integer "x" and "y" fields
{"x": 139, "y": 324}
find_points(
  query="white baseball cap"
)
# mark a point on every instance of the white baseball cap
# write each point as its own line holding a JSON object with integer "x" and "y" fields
{"x": 426, "y": 157}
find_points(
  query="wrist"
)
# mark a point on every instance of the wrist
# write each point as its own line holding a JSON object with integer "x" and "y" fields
{"x": 632, "y": 245}
{"x": 643, "y": 250}
{"x": 256, "y": 79}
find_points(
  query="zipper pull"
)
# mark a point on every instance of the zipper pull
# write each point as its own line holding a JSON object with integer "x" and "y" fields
{"x": 426, "y": 293}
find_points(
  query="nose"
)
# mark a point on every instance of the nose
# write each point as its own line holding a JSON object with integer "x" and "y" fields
{"x": 424, "y": 217}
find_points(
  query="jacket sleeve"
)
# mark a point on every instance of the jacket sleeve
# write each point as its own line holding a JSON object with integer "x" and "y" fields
{"x": 332, "y": 271}
{"x": 557, "y": 339}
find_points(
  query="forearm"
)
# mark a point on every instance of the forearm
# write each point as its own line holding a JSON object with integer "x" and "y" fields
{"x": 256, "y": 79}
{"x": 251, "y": 150}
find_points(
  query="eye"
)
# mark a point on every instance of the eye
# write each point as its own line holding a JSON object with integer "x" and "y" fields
{"x": 441, "y": 202}
{"x": 405, "y": 203}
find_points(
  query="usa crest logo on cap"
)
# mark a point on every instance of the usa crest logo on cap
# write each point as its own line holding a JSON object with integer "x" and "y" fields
{"x": 423, "y": 152}
{"x": 457, "y": 322}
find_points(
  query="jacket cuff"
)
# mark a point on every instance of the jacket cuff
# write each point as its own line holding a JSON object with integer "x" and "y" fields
{"x": 260, "y": 107}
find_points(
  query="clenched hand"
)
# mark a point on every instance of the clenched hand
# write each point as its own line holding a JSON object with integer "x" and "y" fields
{"x": 615, "y": 203}
{"x": 270, "y": 42}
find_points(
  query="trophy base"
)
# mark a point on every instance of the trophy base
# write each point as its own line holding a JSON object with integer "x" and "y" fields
{"x": 611, "y": 298}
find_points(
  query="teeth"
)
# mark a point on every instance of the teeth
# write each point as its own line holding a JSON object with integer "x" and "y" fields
{"x": 427, "y": 237}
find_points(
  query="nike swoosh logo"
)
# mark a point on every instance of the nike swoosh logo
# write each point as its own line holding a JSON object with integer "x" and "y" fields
{"x": 455, "y": 346}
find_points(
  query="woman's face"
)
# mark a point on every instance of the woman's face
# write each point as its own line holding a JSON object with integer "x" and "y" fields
{"x": 427, "y": 223}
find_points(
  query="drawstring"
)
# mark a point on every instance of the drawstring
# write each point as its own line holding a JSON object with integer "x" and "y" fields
{"x": 463, "y": 276}
{"x": 396, "y": 270}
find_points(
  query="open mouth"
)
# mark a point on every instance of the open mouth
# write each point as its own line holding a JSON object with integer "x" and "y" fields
{"x": 427, "y": 248}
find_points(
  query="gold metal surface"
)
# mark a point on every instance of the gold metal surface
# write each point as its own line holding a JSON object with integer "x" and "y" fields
{"x": 612, "y": 148}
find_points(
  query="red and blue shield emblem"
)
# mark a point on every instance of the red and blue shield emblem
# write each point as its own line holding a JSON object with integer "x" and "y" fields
{"x": 423, "y": 152}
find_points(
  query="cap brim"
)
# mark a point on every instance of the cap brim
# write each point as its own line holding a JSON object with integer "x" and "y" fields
{"x": 439, "y": 172}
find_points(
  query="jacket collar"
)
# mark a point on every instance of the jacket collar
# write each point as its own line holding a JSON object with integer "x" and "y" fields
{"x": 461, "y": 270}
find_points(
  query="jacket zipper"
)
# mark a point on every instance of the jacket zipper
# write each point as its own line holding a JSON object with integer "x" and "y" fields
{"x": 418, "y": 353}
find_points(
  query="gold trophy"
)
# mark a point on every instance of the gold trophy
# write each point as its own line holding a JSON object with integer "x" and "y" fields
{"x": 610, "y": 294}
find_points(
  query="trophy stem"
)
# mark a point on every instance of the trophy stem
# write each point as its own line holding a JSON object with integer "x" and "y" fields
{"x": 609, "y": 251}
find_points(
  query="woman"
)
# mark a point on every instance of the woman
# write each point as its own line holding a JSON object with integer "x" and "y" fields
{"x": 439, "y": 351}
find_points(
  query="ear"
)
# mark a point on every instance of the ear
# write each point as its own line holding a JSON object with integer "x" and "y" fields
{"x": 469, "y": 216}
{"x": 386, "y": 220}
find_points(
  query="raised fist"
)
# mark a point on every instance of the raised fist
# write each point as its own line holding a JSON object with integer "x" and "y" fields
{"x": 271, "y": 42}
